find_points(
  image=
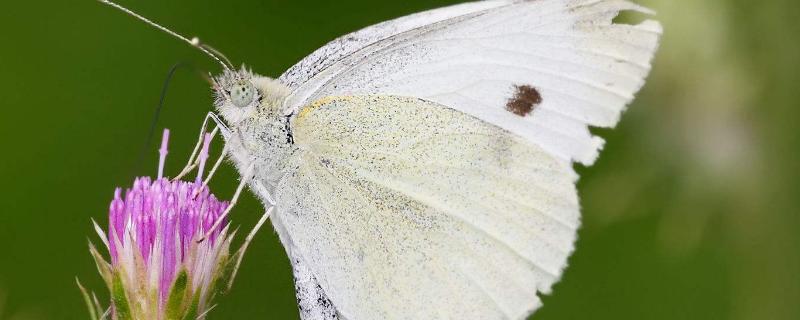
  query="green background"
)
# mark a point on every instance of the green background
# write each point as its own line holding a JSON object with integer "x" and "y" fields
{"x": 691, "y": 212}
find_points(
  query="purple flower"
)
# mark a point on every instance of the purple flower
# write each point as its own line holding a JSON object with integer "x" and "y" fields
{"x": 166, "y": 262}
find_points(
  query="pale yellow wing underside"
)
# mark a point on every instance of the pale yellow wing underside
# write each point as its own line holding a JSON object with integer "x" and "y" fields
{"x": 406, "y": 209}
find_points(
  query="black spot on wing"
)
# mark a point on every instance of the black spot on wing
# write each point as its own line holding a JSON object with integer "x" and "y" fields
{"x": 524, "y": 100}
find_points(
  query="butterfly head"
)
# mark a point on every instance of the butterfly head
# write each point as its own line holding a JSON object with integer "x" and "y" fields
{"x": 242, "y": 94}
{"x": 237, "y": 96}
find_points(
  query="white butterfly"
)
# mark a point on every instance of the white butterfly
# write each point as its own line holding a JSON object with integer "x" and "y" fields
{"x": 421, "y": 168}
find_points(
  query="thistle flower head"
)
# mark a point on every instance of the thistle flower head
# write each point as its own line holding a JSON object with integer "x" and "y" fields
{"x": 166, "y": 261}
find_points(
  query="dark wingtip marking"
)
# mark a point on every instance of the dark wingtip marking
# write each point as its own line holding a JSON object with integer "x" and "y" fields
{"x": 525, "y": 99}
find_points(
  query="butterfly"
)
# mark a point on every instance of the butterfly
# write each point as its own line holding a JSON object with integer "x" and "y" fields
{"x": 422, "y": 168}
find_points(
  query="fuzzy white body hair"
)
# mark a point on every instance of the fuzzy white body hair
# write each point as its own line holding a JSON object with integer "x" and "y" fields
{"x": 259, "y": 133}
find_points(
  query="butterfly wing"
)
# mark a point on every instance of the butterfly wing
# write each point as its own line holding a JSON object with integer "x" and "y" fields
{"x": 344, "y": 46}
{"x": 545, "y": 70}
{"x": 406, "y": 209}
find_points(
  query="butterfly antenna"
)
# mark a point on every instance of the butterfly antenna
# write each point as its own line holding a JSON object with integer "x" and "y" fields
{"x": 214, "y": 51}
{"x": 194, "y": 42}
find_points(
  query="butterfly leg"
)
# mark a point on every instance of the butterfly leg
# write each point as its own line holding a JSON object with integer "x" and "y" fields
{"x": 193, "y": 159}
{"x": 216, "y": 165}
{"x": 219, "y": 127}
{"x": 213, "y": 169}
{"x": 243, "y": 248}
{"x": 225, "y": 134}
{"x": 245, "y": 180}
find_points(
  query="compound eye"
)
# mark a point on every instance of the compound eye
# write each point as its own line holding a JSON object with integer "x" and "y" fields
{"x": 243, "y": 94}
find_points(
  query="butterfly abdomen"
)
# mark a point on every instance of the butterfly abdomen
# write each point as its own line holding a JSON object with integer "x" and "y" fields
{"x": 312, "y": 301}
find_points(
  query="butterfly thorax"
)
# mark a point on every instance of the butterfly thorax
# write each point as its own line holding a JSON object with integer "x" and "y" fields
{"x": 259, "y": 132}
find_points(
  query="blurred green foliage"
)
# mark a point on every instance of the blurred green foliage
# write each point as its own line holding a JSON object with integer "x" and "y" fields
{"x": 691, "y": 212}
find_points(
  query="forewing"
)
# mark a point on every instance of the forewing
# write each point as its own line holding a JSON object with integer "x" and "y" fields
{"x": 405, "y": 209}
{"x": 344, "y": 46}
{"x": 545, "y": 70}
